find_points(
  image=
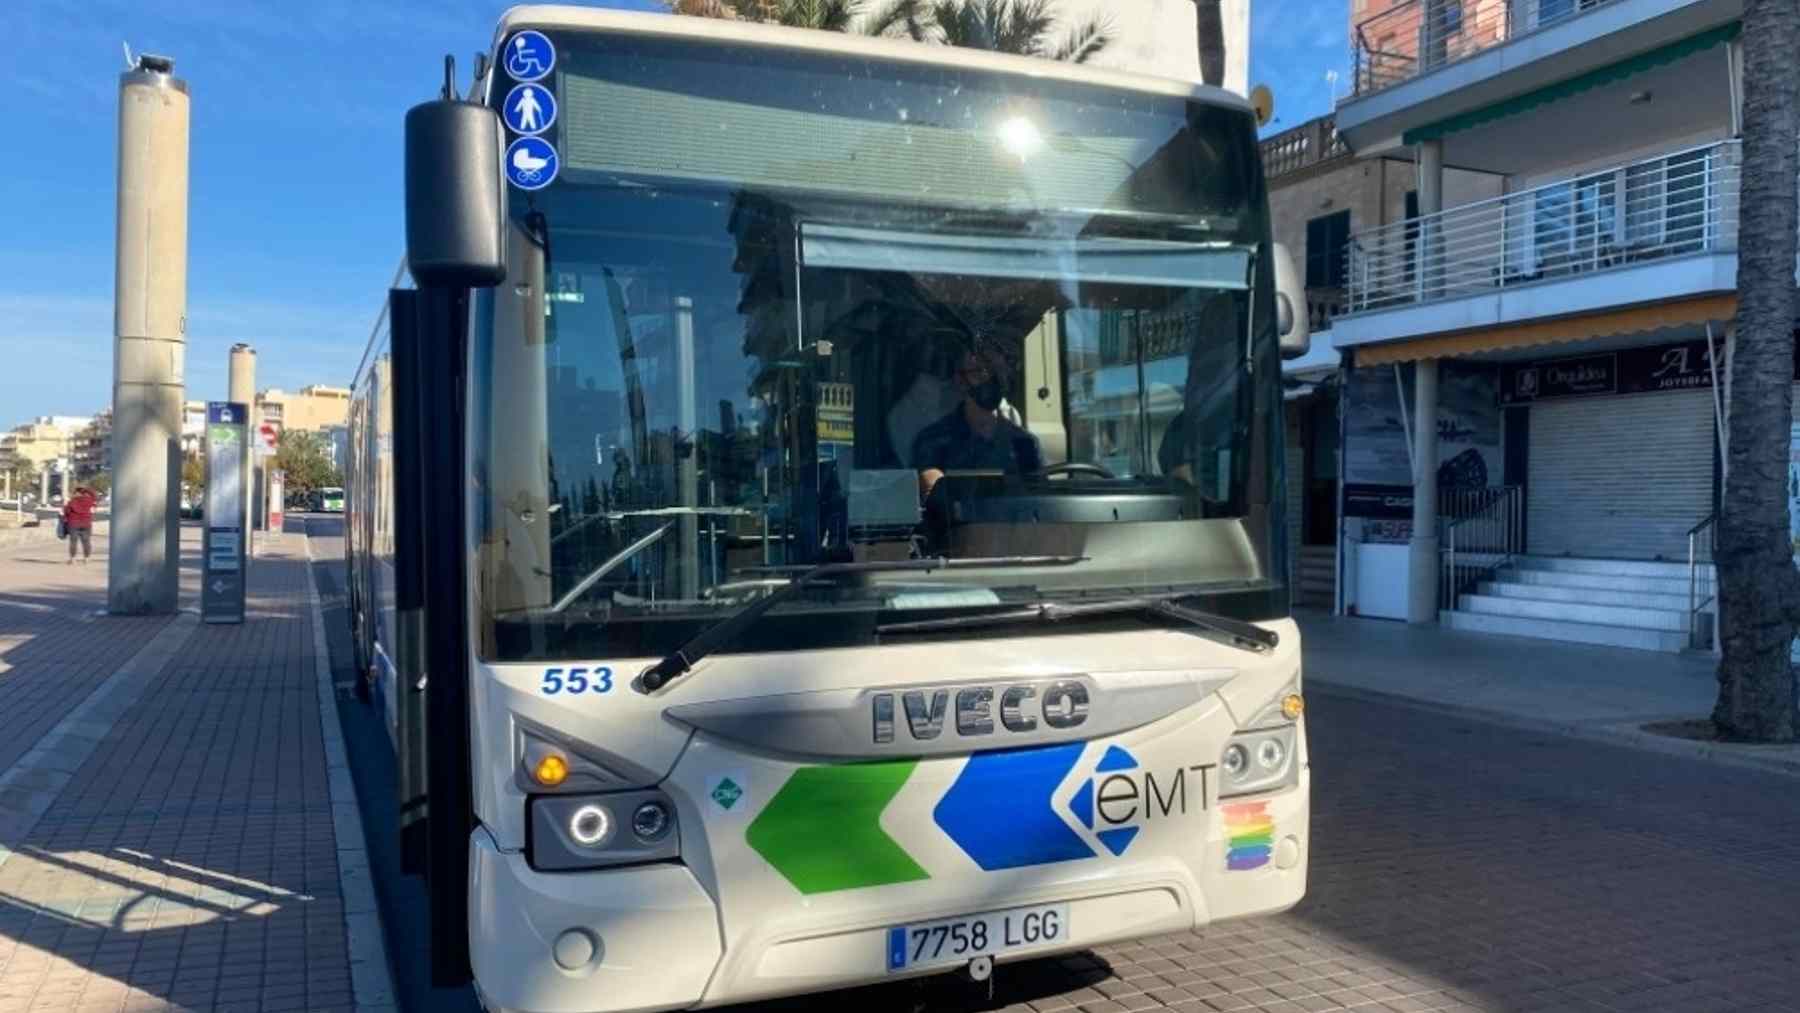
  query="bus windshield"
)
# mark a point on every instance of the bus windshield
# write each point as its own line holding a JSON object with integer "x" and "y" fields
{"x": 773, "y": 314}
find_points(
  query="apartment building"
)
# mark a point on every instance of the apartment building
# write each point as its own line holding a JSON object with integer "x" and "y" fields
{"x": 312, "y": 409}
{"x": 1565, "y": 334}
{"x": 1319, "y": 193}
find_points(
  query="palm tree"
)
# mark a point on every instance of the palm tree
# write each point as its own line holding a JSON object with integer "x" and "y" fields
{"x": 1209, "y": 26}
{"x": 1024, "y": 27}
{"x": 1759, "y": 589}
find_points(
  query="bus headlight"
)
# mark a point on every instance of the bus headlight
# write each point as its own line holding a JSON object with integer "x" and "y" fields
{"x": 1257, "y": 761}
{"x": 601, "y": 831}
{"x": 591, "y": 826}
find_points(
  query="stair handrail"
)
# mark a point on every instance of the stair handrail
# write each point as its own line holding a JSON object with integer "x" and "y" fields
{"x": 1703, "y": 538}
{"x": 1483, "y": 533}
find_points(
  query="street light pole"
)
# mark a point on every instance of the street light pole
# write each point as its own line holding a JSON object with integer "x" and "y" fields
{"x": 150, "y": 329}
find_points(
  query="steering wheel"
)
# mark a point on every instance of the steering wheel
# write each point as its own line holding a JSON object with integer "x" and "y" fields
{"x": 1078, "y": 467}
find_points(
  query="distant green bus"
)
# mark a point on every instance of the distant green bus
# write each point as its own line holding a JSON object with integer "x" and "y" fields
{"x": 331, "y": 500}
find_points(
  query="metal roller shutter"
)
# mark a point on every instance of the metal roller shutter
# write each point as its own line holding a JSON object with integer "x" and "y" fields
{"x": 1620, "y": 477}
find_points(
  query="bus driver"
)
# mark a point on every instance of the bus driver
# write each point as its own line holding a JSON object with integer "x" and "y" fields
{"x": 975, "y": 436}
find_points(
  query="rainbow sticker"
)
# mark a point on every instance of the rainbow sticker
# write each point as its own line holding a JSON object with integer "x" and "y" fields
{"x": 1249, "y": 835}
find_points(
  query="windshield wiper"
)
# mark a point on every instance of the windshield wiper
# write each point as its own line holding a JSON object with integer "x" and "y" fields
{"x": 722, "y": 632}
{"x": 1247, "y": 636}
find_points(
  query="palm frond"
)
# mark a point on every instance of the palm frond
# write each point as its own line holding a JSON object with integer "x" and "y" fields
{"x": 824, "y": 15}
{"x": 910, "y": 18}
{"x": 703, "y": 8}
{"x": 1085, "y": 41}
{"x": 1021, "y": 26}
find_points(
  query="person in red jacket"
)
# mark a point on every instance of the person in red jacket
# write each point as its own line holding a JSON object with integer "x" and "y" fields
{"x": 78, "y": 517}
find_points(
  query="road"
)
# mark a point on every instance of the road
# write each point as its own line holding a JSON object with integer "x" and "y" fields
{"x": 1455, "y": 866}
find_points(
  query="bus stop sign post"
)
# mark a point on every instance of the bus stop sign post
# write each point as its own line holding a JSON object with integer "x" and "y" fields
{"x": 227, "y": 467}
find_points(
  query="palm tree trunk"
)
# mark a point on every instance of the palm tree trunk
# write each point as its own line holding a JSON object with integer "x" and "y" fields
{"x": 1209, "y": 27}
{"x": 1759, "y": 589}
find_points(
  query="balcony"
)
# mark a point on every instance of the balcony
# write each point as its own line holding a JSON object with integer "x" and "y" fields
{"x": 1598, "y": 225}
{"x": 1419, "y": 36}
{"x": 1310, "y": 144}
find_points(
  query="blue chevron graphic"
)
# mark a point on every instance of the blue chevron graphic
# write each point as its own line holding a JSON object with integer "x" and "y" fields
{"x": 1115, "y": 759}
{"x": 999, "y": 809}
{"x": 1081, "y": 804}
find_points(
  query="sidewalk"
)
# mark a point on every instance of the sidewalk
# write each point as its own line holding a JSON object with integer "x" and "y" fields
{"x": 174, "y": 831}
{"x": 1599, "y": 693}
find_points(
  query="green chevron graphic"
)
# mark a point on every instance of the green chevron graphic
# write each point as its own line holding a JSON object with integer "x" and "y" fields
{"x": 822, "y": 830}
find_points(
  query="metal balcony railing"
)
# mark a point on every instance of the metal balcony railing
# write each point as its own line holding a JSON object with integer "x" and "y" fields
{"x": 1674, "y": 204}
{"x": 1417, "y": 36}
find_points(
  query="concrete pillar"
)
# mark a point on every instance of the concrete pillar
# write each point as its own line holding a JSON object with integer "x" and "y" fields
{"x": 44, "y": 484}
{"x": 241, "y": 387}
{"x": 1430, "y": 275}
{"x": 1422, "y": 587}
{"x": 150, "y": 327}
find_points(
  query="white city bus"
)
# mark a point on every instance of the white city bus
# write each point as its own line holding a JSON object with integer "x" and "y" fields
{"x": 816, "y": 517}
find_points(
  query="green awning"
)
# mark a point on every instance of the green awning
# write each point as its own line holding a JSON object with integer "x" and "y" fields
{"x": 1571, "y": 86}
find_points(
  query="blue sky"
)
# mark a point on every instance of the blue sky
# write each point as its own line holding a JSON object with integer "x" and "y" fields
{"x": 295, "y": 206}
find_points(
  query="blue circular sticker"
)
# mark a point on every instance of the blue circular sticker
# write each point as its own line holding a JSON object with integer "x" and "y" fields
{"x": 529, "y": 56}
{"x": 530, "y": 163}
{"x": 529, "y": 109}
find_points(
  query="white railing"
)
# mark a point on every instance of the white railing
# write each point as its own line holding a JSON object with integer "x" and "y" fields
{"x": 1483, "y": 531}
{"x": 1679, "y": 203}
{"x": 1702, "y": 582}
{"x": 1418, "y": 36}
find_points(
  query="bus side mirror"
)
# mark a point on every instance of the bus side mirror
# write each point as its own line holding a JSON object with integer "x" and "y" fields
{"x": 1291, "y": 322}
{"x": 455, "y": 198}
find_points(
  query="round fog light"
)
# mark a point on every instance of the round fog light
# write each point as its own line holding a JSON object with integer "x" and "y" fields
{"x": 590, "y": 826}
{"x": 573, "y": 949}
{"x": 651, "y": 821}
{"x": 1270, "y": 754}
{"x": 1236, "y": 759}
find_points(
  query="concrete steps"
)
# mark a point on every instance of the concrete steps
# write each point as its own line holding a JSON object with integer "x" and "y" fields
{"x": 1577, "y": 633}
{"x": 1317, "y": 575}
{"x": 1641, "y": 604}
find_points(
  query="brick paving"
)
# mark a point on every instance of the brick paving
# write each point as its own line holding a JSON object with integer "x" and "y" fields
{"x": 50, "y": 655}
{"x": 190, "y": 861}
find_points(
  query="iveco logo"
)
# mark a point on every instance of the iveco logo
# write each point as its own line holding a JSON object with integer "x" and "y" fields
{"x": 1016, "y": 707}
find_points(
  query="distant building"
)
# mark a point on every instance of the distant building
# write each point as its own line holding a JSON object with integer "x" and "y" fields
{"x": 311, "y": 409}
{"x": 193, "y": 427}
{"x": 90, "y": 450}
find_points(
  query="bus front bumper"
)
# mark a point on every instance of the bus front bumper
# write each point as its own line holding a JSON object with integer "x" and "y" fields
{"x": 648, "y": 937}
{"x": 635, "y": 939}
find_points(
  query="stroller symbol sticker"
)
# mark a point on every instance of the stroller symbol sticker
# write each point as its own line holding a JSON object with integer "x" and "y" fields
{"x": 529, "y": 56}
{"x": 530, "y": 163}
{"x": 529, "y": 109}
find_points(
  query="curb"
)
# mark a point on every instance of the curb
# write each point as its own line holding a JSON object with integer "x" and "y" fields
{"x": 371, "y": 976}
{"x": 1617, "y": 735}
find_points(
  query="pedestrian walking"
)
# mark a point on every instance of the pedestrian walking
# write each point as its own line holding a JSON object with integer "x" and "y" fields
{"x": 78, "y": 522}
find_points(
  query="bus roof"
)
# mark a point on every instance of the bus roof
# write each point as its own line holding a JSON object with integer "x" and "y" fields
{"x": 903, "y": 50}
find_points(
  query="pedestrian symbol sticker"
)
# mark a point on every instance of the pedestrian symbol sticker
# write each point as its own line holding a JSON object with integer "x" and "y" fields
{"x": 529, "y": 109}
{"x": 530, "y": 163}
{"x": 529, "y": 56}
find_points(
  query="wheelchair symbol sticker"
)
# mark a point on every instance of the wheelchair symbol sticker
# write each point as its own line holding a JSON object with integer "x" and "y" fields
{"x": 529, "y": 56}
{"x": 529, "y": 109}
{"x": 530, "y": 163}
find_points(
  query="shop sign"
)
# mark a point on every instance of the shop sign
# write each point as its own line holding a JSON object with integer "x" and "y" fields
{"x": 1685, "y": 365}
